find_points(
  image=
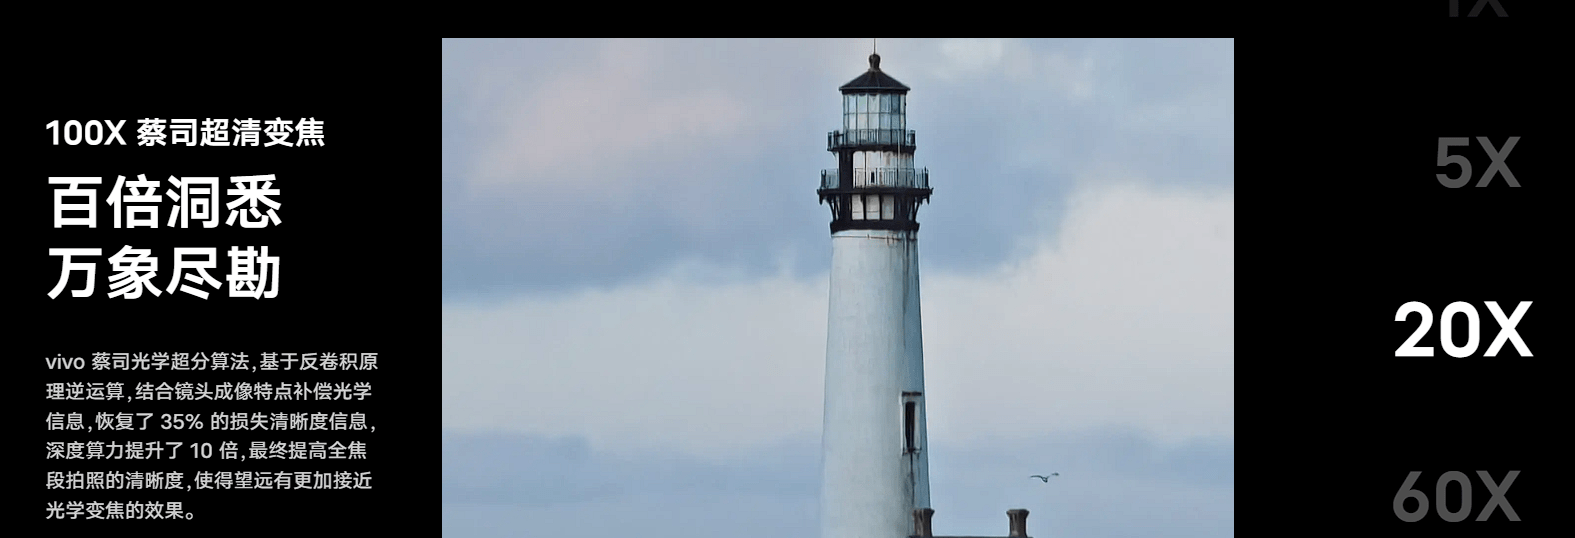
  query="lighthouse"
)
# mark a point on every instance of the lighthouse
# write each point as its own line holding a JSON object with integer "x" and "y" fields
{"x": 875, "y": 470}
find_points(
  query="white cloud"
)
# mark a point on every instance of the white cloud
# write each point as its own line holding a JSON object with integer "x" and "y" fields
{"x": 669, "y": 362}
{"x": 984, "y": 61}
{"x": 560, "y": 129}
{"x": 1126, "y": 318}
{"x": 973, "y": 54}
{"x": 702, "y": 515}
{"x": 1073, "y": 76}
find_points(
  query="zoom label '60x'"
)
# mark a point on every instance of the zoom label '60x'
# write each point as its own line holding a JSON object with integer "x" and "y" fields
{"x": 1497, "y": 502}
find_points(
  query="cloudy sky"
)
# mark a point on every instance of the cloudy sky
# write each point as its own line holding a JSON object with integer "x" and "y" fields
{"x": 635, "y": 283}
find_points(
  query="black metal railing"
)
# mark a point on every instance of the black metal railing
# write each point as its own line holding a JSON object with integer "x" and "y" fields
{"x": 913, "y": 178}
{"x": 858, "y": 137}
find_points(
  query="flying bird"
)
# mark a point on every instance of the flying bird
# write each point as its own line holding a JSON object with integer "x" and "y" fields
{"x": 1043, "y": 478}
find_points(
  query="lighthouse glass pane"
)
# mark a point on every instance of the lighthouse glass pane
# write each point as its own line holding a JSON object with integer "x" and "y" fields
{"x": 887, "y": 207}
{"x": 848, "y": 109}
{"x": 872, "y": 207}
{"x": 902, "y": 112}
{"x": 858, "y": 207}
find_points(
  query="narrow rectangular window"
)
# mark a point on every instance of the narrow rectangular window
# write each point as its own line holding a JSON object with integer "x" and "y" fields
{"x": 909, "y": 425}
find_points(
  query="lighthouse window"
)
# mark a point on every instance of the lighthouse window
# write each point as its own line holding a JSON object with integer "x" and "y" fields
{"x": 847, "y": 112}
{"x": 877, "y": 106}
{"x": 910, "y": 423}
{"x": 874, "y": 112}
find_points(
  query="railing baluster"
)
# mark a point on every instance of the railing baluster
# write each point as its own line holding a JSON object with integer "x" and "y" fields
{"x": 897, "y": 137}
{"x": 878, "y": 176}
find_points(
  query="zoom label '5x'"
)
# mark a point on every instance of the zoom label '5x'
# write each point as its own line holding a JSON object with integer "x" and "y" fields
{"x": 1496, "y": 168}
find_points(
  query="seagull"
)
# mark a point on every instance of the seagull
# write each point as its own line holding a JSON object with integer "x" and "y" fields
{"x": 1043, "y": 478}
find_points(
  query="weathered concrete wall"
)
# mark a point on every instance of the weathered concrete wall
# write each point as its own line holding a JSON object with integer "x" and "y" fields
{"x": 869, "y": 483}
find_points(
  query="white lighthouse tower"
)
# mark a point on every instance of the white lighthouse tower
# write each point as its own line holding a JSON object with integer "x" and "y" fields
{"x": 874, "y": 455}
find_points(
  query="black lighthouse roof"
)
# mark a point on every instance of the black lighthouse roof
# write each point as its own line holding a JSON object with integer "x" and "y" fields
{"x": 874, "y": 81}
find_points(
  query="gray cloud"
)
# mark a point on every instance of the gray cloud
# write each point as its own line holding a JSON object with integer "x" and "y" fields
{"x": 534, "y": 470}
{"x": 572, "y": 163}
{"x": 1126, "y": 317}
{"x": 1113, "y": 483}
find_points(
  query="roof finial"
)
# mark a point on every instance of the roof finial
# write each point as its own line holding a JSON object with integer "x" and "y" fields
{"x": 874, "y": 58}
